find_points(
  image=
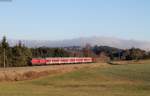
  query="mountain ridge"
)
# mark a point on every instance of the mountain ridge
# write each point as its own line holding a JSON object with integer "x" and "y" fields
{"x": 82, "y": 41}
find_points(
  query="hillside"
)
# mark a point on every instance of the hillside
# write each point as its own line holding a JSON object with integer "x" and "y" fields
{"x": 116, "y": 80}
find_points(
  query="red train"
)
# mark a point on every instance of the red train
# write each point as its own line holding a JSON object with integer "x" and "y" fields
{"x": 61, "y": 60}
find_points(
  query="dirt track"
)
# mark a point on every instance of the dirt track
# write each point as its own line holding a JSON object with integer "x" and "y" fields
{"x": 26, "y": 73}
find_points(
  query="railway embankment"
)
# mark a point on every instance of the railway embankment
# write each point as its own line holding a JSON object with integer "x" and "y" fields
{"x": 28, "y": 73}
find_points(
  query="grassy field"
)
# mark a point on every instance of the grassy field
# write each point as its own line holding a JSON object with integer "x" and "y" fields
{"x": 115, "y": 80}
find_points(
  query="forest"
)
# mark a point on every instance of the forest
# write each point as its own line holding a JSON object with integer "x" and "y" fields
{"x": 20, "y": 55}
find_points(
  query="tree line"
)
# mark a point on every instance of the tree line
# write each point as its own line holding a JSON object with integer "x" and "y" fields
{"x": 20, "y": 55}
{"x": 121, "y": 54}
{"x": 15, "y": 56}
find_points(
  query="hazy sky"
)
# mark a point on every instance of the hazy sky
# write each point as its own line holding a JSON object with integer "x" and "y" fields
{"x": 65, "y": 19}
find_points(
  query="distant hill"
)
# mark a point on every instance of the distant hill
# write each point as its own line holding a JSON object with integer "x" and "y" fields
{"x": 105, "y": 41}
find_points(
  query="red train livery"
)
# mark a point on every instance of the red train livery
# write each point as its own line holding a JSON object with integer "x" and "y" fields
{"x": 61, "y": 60}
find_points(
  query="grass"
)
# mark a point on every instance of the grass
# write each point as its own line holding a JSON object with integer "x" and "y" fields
{"x": 116, "y": 80}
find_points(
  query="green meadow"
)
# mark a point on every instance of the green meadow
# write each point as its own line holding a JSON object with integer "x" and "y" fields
{"x": 115, "y": 80}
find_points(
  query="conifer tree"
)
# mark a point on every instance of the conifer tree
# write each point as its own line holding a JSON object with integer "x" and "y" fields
{"x": 4, "y": 52}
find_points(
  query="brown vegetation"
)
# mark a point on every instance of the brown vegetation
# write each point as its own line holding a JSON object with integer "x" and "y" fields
{"x": 27, "y": 73}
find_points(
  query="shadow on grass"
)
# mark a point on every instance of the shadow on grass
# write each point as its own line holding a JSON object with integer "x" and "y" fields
{"x": 111, "y": 63}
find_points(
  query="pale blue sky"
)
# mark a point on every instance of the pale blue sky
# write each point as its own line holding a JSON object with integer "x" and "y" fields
{"x": 66, "y": 19}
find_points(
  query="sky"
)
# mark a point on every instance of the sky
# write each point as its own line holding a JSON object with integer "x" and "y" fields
{"x": 67, "y": 19}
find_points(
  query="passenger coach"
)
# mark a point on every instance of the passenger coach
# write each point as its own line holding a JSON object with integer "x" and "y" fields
{"x": 61, "y": 60}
